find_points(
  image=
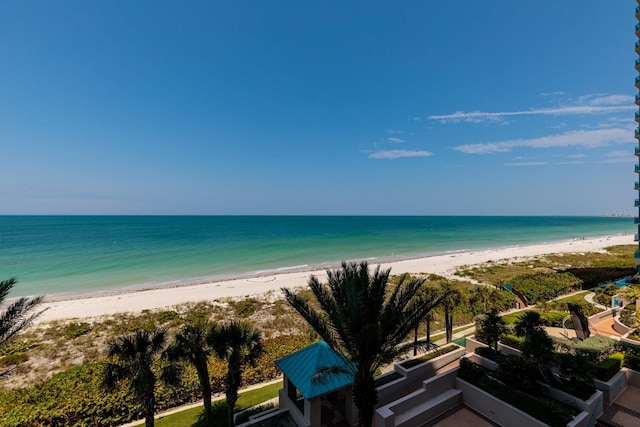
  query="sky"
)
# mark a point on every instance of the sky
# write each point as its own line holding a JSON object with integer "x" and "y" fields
{"x": 276, "y": 107}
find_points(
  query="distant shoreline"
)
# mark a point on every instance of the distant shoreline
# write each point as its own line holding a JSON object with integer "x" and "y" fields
{"x": 137, "y": 298}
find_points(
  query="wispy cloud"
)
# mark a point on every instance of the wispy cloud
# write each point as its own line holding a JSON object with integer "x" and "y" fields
{"x": 397, "y": 154}
{"x": 577, "y": 156}
{"x": 588, "y": 104}
{"x": 395, "y": 140}
{"x": 527, "y": 164}
{"x": 581, "y": 138}
{"x": 619, "y": 156}
{"x": 394, "y": 131}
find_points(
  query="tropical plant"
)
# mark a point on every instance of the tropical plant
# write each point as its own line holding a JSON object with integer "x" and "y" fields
{"x": 482, "y": 299}
{"x": 451, "y": 297}
{"x": 491, "y": 328}
{"x": 630, "y": 293}
{"x": 239, "y": 344}
{"x": 190, "y": 345}
{"x": 362, "y": 317}
{"x": 529, "y": 321}
{"x": 133, "y": 359}
{"x": 18, "y": 314}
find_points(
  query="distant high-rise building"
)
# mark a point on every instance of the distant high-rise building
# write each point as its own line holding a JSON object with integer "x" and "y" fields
{"x": 637, "y": 185}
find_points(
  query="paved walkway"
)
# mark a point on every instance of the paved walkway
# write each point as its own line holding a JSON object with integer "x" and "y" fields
{"x": 589, "y": 298}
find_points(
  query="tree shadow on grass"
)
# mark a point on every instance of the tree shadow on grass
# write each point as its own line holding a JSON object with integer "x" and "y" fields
{"x": 220, "y": 415}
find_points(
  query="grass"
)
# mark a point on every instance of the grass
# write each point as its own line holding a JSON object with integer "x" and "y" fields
{"x": 193, "y": 416}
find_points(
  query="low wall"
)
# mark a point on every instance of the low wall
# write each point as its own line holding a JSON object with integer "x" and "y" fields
{"x": 598, "y": 317}
{"x": 493, "y": 408}
{"x": 429, "y": 367}
{"x": 632, "y": 377}
{"x": 412, "y": 378}
{"x": 593, "y": 406}
{"x": 620, "y": 327}
{"x": 613, "y": 388}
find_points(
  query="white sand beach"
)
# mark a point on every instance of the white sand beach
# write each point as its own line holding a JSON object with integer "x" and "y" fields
{"x": 88, "y": 306}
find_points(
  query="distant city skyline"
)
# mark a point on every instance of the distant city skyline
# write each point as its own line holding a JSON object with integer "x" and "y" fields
{"x": 338, "y": 108}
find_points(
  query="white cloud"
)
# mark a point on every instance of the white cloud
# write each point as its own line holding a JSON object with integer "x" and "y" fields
{"x": 527, "y": 164}
{"x": 581, "y": 138}
{"x": 394, "y": 131}
{"x": 575, "y": 162}
{"x": 587, "y": 104}
{"x": 395, "y": 140}
{"x": 397, "y": 154}
{"x": 577, "y": 156}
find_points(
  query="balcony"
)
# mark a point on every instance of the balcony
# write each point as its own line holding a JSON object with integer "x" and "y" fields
{"x": 636, "y": 220}
{"x": 638, "y": 99}
{"x": 637, "y": 133}
{"x": 637, "y": 117}
{"x": 638, "y": 11}
{"x": 635, "y": 238}
{"x": 638, "y": 80}
{"x": 636, "y": 255}
{"x": 637, "y": 169}
{"x": 638, "y": 29}
{"x": 637, "y": 150}
{"x": 638, "y": 64}
{"x": 637, "y": 203}
{"x": 638, "y": 46}
{"x": 637, "y": 186}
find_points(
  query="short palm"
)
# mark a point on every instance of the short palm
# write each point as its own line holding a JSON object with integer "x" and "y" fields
{"x": 361, "y": 317}
{"x": 190, "y": 345}
{"x": 133, "y": 359}
{"x": 239, "y": 344}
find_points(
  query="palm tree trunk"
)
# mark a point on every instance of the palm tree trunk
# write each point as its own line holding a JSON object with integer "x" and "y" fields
{"x": 365, "y": 397}
{"x": 448, "y": 324}
{"x": 205, "y": 387}
{"x": 149, "y": 408}
{"x": 428, "y": 331}
{"x": 415, "y": 341}
{"x": 231, "y": 392}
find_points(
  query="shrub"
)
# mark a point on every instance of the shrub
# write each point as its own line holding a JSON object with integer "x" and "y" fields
{"x": 471, "y": 372}
{"x": 246, "y": 307}
{"x": 74, "y": 330}
{"x": 488, "y": 353}
{"x": 632, "y": 362}
{"x": 431, "y": 355}
{"x": 607, "y": 368}
{"x": 13, "y": 359}
{"x": 512, "y": 341}
{"x": 596, "y": 347}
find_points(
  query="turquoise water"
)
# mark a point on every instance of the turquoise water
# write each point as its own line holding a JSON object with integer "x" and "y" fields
{"x": 71, "y": 254}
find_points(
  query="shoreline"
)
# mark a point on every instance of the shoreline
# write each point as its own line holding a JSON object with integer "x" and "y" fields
{"x": 134, "y": 299}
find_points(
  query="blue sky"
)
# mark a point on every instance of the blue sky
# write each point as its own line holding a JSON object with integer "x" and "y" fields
{"x": 497, "y": 107}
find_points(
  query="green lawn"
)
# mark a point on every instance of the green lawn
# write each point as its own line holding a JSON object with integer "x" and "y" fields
{"x": 192, "y": 417}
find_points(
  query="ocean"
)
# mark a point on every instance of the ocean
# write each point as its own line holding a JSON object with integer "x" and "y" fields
{"x": 79, "y": 254}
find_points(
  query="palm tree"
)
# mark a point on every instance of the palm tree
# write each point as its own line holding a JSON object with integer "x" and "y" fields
{"x": 18, "y": 314}
{"x": 190, "y": 345}
{"x": 361, "y": 317}
{"x": 452, "y": 297}
{"x": 239, "y": 344}
{"x": 528, "y": 322}
{"x": 482, "y": 299}
{"x": 133, "y": 358}
{"x": 491, "y": 329}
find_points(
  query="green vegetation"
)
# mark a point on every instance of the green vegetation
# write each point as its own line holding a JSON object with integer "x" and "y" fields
{"x": 246, "y": 400}
{"x": 431, "y": 355}
{"x": 74, "y": 330}
{"x": 551, "y": 412}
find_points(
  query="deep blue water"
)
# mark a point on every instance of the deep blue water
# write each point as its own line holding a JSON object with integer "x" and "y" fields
{"x": 61, "y": 254}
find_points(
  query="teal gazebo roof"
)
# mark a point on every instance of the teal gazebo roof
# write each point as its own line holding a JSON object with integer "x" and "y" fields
{"x": 302, "y": 365}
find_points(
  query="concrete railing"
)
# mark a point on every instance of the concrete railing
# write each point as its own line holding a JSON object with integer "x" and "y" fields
{"x": 613, "y": 388}
{"x": 437, "y": 395}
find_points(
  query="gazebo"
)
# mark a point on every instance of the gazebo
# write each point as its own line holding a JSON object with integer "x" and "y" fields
{"x": 326, "y": 396}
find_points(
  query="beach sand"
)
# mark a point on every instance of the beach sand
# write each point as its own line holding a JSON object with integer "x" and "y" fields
{"x": 88, "y": 306}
